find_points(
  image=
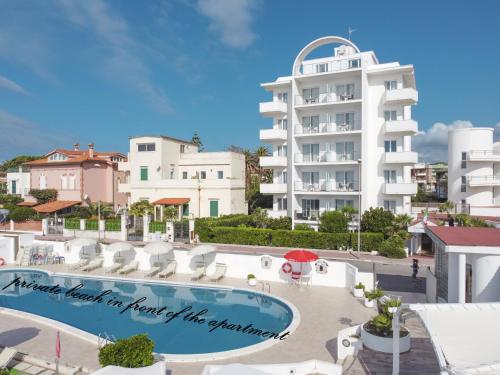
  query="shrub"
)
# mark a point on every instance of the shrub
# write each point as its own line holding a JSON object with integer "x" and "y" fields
{"x": 71, "y": 223}
{"x": 141, "y": 208}
{"x": 393, "y": 247}
{"x": 44, "y": 195}
{"x": 377, "y": 220}
{"x": 303, "y": 226}
{"x": 333, "y": 222}
{"x": 157, "y": 226}
{"x": 22, "y": 214}
{"x": 369, "y": 241}
{"x": 80, "y": 212}
{"x": 10, "y": 199}
{"x": 113, "y": 225}
{"x": 171, "y": 213}
{"x": 283, "y": 222}
{"x": 135, "y": 351}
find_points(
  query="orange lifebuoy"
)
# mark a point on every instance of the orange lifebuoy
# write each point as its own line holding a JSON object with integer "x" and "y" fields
{"x": 2, "y": 261}
{"x": 286, "y": 267}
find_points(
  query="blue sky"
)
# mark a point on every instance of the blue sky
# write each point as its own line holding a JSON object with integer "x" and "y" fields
{"x": 100, "y": 71}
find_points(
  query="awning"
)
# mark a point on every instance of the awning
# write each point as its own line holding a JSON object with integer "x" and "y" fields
{"x": 172, "y": 201}
{"x": 54, "y": 206}
{"x": 27, "y": 204}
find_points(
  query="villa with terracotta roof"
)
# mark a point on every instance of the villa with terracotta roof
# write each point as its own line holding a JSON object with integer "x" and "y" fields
{"x": 76, "y": 174}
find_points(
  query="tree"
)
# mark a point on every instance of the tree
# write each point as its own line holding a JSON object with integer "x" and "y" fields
{"x": 349, "y": 212}
{"x": 170, "y": 213}
{"x": 446, "y": 207}
{"x": 141, "y": 208}
{"x": 333, "y": 222}
{"x": 17, "y": 161}
{"x": 106, "y": 209}
{"x": 259, "y": 218}
{"x": 197, "y": 141}
{"x": 377, "y": 220}
{"x": 44, "y": 195}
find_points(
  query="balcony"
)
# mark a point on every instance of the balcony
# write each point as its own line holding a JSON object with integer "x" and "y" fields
{"x": 276, "y": 213}
{"x": 326, "y": 128}
{"x": 273, "y": 161}
{"x": 484, "y": 155}
{"x": 329, "y": 66}
{"x": 124, "y": 188}
{"x": 400, "y": 188}
{"x": 325, "y": 99}
{"x": 347, "y": 187}
{"x": 124, "y": 166}
{"x": 405, "y": 157}
{"x": 328, "y": 157}
{"x": 274, "y": 108}
{"x": 405, "y": 127}
{"x": 476, "y": 181}
{"x": 404, "y": 96}
{"x": 307, "y": 215}
{"x": 273, "y": 188}
{"x": 273, "y": 135}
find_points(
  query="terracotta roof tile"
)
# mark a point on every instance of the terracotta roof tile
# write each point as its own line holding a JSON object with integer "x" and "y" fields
{"x": 172, "y": 201}
{"x": 467, "y": 236}
{"x": 54, "y": 206}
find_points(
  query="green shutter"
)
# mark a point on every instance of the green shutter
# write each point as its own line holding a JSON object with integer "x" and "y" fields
{"x": 14, "y": 187}
{"x": 144, "y": 173}
{"x": 214, "y": 208}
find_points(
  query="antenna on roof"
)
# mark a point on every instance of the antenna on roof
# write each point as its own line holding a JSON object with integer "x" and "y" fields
{"x": 350, "y": 31}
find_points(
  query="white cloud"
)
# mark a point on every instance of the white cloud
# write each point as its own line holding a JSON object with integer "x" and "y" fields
{"x": 10, "y": 85}
{"x": 231, "y": 20}
{"x": 122, "y": 61}
{"x": 432, "y": 144}
{"x": 20, "y": 136}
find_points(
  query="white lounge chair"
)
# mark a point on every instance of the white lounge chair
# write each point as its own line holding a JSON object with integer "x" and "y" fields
{"x": 152, "y": 271}
{"x": 113, "y": 268}
{"x": 220, "y": 272}
{"x": 93, "y": 265}
{"x": 199, "y": 272}
{"x": 131, "y": 267}
{"x": 6, "y": 356}
{"x": 169, "y": 270}
{"x": 81, "y": 263}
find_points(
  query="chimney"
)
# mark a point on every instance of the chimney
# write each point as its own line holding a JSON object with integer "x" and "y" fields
{"x": 91, "y": 150}
{"x": 76, "y": 146}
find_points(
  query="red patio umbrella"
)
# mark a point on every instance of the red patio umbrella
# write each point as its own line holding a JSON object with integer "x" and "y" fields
{"x": 58, "y": 351}
{"x": 301, "y": 256}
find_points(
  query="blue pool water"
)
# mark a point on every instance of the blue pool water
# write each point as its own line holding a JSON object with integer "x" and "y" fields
{"x": 178, "y": 336}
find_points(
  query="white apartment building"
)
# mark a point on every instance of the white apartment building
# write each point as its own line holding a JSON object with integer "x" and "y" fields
{"x": 474, "y": 170}
{"x": 341, "y": 134}
{"x": 18, "y": 181}
{"x": 167, "y": 171}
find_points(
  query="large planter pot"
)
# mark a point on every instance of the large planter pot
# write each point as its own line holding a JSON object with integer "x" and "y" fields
{"x": 358, "y": 293}
{"x": 252, "y": 281}
{"x": 384, "y": 344}
{"x": 369, "y": 303}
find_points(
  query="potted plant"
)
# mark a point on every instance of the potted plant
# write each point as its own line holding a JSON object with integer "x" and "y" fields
{"x": 252, "y": 281}
{"x": 359, "y": 290}
{"x": 377, "y": 333}
{"x": 372, "y": 296}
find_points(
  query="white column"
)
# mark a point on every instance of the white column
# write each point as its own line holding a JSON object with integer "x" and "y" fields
{"x": 12, "y": 225}
{"x": 452, "y": 277}
{"x": 191, "y": 230}
{"x": 123, "y": 227}
{"x": 461, "y": 278}
{"x": 45, "y": 224}
{"x": 82, "y": 224}
{"x": 145, "y": 228}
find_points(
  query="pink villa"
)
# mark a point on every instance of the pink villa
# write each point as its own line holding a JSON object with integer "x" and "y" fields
{"x": 77, "y": 174}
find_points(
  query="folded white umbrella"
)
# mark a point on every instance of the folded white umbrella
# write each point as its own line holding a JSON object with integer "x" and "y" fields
{"x": 158, "y": 248}
{"x": 202, "y": 250}
{"x": 118, "y": 247}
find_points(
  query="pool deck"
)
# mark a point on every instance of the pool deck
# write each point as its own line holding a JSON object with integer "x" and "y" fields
{"x": 324, "y": 311}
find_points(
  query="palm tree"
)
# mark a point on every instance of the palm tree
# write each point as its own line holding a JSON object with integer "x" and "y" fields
{"x": 105, "y": 209}
{"x": 446, "y": 207}
{"x": 265, "y": 175}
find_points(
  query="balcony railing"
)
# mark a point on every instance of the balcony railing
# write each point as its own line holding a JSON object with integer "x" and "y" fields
{"x": 484, "y": 155}
{"x": 327, "y": 186}
{"x": 483, "y": 180}
{"x": 401, "y": 126}
{"x": 326, "y": 128}
{"x": 309, "y": 215}
{"x": 328, "y": 66}
{"x": 325, "y": 98}
{"x": 327, "y": 157}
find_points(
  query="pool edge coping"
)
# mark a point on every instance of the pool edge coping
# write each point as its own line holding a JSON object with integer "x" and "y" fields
{"x": 174, "y": 358}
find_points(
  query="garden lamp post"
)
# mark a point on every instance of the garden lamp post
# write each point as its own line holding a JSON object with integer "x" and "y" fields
{"x": 359, "y": 206}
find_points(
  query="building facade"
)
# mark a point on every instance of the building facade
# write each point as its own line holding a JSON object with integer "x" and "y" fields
{"x": 18, "y": 181}
{"x": 170, "y": 172}
{"x": 474, "y": 170}
{"x": 341, "y": 134}
{"x": 79, "y": 175}
{"x": 431, "y": 178}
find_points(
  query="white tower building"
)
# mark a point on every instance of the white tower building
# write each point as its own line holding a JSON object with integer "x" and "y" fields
{"x": 341, "y": 133}
{"x": 474, "y": 169}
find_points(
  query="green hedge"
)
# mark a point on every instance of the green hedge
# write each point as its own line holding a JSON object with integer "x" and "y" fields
{"x": 91, "y": 224}
{"x": 157, "y": 226}
{"x": 113, "y": 225}
{"x": 133, "y": 352}
{"x": 72, "y": 223}
{"x": 290, "y": 238}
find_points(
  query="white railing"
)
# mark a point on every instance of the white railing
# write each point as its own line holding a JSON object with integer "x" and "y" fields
{"x": 484, "y": 155}
{"x": 310, "y": 215}
{"x": 327, "y": 186}
{"x": 328, "y": 66}
{"x": 327, "y": 127}
{"x": 326, "y": 157}
{"x": 327, "y": 97}
{"x": 484, "y": 180}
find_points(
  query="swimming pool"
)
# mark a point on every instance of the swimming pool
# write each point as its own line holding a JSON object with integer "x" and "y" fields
{"x": 180, "y": 319}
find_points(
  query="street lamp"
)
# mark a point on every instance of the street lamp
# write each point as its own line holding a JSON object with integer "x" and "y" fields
{"x": 359, "y": 206}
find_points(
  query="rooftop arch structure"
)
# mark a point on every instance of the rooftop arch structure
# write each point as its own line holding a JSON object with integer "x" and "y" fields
{"x": 316, "y": 44}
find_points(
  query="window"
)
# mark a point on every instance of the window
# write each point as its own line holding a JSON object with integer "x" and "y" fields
{"x": 310, "y": 124}
{"x": 283, "y": 97}
{"x": 390, "y": 176}
{"x": 284, "y": 177}
{"x": 64, "y": 182}
{"x": 184, "y": 175}
{"x": 172, "y": 173}
{"x": 345, "y": 151}
{"x": 71, "y": 182}
{"x": 220, "y": 175}
{"x": 340, "y": 203}
{"x": 345, "y": 120}
{"x": 142, "y": 147}
{"x": 310, "y": 209}
{"x": 282, "y": 150}
{"x": 391, "y": 85}
{"x": 183, "y": 148}
{"x": 390, "y": 146}
{"x": 310, "y": 152}
{"x": 283, "y": 124}
{"x": 57, "y": 157}
{"x": 310, "y": 181}
{"x": 464, "y": 160}
{"x": 322, "y": 68}
{"x": 390, "y": 115}
{"x": 203, "y": 175}
{"x": 345, "y": 180}
{"x": 310, "y": 95}
{"x": 42, "y": 182}
{"x": 354, "y": 63}
{"x": 463, "y": 186}
{"x": 282, "y": 203}
{"x": 345, "y": 92}
{"x": 390, "y": 205}
{"x": 144, "y": 173}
